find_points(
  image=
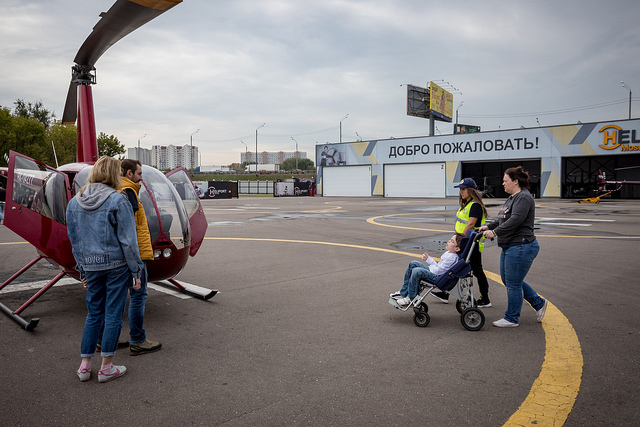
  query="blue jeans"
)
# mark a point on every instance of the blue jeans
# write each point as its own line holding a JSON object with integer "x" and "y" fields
{"x": 515, "y": 262}
{"x": 136, "y": 309}
{"x": 106, "y": 298}
{"x": 416, "y": 271}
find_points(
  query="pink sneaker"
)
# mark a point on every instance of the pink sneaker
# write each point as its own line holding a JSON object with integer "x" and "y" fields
{"x": 84, "y": 374}
{"x": 112, "y": 374}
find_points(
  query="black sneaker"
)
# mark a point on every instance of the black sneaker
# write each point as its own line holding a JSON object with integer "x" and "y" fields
{"x": 121, "y": 344}
{"x": 442, "y": 296}
{"x": 145, "y": 347}
{"x": 483, "y": 303}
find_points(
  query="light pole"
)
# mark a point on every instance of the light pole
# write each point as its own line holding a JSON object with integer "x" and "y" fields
{"x": 457, "y": 108}
{"x": 341, "y": 126}
{"x": 296, "y": 152}
{"x": 628, "y": 88}
{"x": 138, "y": 153}
{"x": 246, "y": 152}
{"x": 191, "y": 138}
{"x": 261, "y": 126}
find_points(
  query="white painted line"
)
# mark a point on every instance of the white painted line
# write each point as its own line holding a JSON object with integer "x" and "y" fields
{"x": 28, "y": 286}
{"x": 564, "y": 223}
{"x": 575, "y": 219}
{"x": 168, "y": 291}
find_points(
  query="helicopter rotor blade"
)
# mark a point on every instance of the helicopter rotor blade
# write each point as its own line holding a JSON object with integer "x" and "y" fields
{"x": 122, "y": 18}
{"x": 71, "y": 105}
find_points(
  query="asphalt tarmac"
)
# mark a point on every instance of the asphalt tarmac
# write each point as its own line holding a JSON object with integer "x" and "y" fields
{"x": 301, "y": 332}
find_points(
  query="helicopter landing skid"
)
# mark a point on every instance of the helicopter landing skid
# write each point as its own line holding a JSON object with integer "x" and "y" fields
{"x": 188, "y": 288}
{"x": 15, "y": 314}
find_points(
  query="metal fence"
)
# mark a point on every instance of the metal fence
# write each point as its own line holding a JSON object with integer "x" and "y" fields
{"x": 255, "y": 187}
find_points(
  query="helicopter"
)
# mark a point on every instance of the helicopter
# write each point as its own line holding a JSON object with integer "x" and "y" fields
{"x": 37, "y": 194}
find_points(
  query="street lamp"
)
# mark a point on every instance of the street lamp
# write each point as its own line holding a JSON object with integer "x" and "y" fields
{"x": 296, "y": 152}
{"x": 629, "y": 89}
{"x": 261, "y": 126}
{"x": 341, "y": 127}
{"x": 457, "y": 108}
{"x": 191, "y": 137}
{"x": 138, "y": 153}
{"x": 246, "y": 152}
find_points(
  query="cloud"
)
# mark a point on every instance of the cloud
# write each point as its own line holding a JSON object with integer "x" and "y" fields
{"x": 225, "y": 67}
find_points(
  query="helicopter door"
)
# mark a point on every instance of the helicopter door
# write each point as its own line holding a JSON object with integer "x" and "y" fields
{"x": 197, "y": 219}
{"x": 36, "y": 206}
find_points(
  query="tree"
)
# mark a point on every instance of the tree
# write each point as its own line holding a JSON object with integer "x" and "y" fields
{"x": 33, "y": 111}
{"x": 65, "y": 140}
{"x": 109, "y": 145}
{"x": 290, "y": 164}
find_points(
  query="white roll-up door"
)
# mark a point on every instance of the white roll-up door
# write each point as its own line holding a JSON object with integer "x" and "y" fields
{"x": 415, "y": 180}
{"x": 351, "y": 181}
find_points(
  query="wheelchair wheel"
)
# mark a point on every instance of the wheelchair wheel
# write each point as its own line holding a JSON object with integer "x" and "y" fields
{"x": 472, "y": 319}
{"x": 462, "y": 306}
{"x": 421, "y": 319}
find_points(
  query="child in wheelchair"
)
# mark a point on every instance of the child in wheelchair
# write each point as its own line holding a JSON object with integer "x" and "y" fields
{"x": 451, "y": 275}
{"x": 429, "y": 272}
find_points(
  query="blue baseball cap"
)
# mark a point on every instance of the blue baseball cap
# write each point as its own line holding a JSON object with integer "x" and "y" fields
{"x": 466, "y": 183}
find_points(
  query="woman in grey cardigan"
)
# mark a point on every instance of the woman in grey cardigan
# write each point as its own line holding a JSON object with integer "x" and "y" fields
{"x": 514, "y": 230}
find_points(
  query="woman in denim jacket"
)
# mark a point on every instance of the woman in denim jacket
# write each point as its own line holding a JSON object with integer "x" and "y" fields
{"x": 102, "y": 232}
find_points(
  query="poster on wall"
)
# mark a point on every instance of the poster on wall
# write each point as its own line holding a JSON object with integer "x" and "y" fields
{"x": 215, "y": 189}
{"x": 294, "y": 187}
{"x": 332, "y": 156}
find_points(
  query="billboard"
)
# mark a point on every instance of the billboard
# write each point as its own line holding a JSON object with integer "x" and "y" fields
{"x": 417, "y": 101}
{"x": 458, "y": 128}
{"x": 441, "y": 103}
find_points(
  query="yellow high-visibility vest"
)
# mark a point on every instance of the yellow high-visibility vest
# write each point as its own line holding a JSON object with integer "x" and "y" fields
{"x": 462, "y": 219}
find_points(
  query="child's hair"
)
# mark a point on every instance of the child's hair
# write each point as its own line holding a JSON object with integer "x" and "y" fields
{"x": 458, "y": 237}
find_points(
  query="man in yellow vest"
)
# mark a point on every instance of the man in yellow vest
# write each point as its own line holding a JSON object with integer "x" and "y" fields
{"x": 131, "y": 177}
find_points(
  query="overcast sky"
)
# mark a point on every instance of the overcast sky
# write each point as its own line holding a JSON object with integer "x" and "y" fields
{"x": 226, "y": 67}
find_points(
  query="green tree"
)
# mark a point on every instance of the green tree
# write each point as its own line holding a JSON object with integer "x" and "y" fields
{"x": 29, "y": 137}
{"x": 33, "y": 111}
{"x": 290, "y": 164}
{"x": 238, "y": 167}
{"x": 65, "y": 140}
{"x": 109, "y": 145}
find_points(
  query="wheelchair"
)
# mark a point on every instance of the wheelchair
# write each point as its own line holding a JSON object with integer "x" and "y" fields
{"x": 457, "y": 282}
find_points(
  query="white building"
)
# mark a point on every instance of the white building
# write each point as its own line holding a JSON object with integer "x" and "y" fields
{"x": 142, "y": 154}
{"x": 171, "y": 157}
{"x": 271, "y": 157}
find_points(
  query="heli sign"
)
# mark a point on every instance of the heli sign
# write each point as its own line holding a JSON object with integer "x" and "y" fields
{"x": 615, "y": 137}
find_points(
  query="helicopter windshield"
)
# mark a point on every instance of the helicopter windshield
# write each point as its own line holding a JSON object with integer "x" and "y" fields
{"x": 40, "y": 189}
{"x": 173, "y": 216}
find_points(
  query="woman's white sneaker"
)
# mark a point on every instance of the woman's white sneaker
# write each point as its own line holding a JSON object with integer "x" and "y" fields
{"x": 542, "y": 311}
{"x": 504, "y": 323}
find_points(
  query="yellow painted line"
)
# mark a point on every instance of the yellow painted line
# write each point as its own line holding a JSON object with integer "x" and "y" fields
{"x": 250, "y": 239}
{"x": 555, "y": 390}
{"x": 13, "y": 243}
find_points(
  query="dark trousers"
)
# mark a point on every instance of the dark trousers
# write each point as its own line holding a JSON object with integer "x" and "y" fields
{"x": 476, "y": 266}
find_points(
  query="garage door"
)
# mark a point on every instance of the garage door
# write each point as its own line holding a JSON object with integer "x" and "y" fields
{"x": 415, "y": 180}
{"x": 351, "y": 181}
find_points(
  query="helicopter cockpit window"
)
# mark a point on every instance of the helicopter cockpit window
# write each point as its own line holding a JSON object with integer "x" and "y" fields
{"x": 185, "y": 189}
{"x": 40, "y": 189}
{"x": 173, "y": 217}
{"x": 81, "y": 179}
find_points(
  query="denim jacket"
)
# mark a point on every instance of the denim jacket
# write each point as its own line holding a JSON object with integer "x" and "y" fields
{"x": 102, "y": 231}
